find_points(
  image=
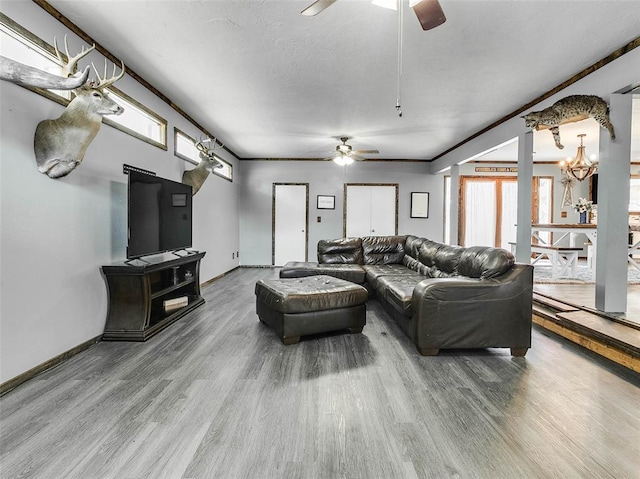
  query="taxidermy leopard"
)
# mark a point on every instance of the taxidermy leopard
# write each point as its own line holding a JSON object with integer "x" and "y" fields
{"x": 569, "y": 108}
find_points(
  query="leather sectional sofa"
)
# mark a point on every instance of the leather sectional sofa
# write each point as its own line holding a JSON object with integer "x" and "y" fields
{"x": 442, "y": 296}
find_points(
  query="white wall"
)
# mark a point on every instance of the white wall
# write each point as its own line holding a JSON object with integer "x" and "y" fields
{"x": 327, "y": 178}
{"x": 55, "y": 234}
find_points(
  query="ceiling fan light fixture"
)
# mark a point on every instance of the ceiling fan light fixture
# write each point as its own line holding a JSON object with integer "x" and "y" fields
{"x": 393, "y": 4}
{"x": 342, "y": 160}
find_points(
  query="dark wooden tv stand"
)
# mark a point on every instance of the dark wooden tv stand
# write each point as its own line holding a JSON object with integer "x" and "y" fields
{"x": 139, "y": 290}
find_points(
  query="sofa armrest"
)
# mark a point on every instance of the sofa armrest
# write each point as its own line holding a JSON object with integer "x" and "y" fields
{"x": 462, "y": 312}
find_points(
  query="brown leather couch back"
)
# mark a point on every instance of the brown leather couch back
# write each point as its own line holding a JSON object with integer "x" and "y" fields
{"x": 342, "y": 250}
{"x": 383, "y": 249}
{"x": 484, "y": 262}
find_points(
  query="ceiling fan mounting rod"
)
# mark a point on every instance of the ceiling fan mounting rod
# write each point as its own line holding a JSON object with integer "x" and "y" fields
{"x": 399, "y": 78}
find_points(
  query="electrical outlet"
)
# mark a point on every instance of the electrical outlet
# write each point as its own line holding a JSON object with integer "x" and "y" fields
{"x": 563, "y": 214}
{"x": 233, "y": 256}
{"x": 237, "y": 254}
{"x": 319, "y": 219}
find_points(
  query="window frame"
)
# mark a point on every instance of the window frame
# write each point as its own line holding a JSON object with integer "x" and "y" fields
{"x": 146, "y": 111}
{"x": 177, "y": 131}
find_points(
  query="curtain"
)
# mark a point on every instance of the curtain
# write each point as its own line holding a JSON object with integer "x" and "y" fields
{"x": 480, "y": 213}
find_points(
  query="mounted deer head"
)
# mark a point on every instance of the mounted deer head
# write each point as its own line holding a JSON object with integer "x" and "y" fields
{"x": 196, "y": 177}
{"x": 60, "y": 144}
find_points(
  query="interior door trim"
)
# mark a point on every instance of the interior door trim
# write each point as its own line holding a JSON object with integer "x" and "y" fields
{"x": 344, "y": 203}
{"x": 273, "y": 220}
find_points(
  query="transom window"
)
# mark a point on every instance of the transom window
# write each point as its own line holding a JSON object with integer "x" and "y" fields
{"x": 137, "y": 120}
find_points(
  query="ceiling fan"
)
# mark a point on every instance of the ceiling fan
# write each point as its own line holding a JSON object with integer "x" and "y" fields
{"x": 345, "y": 154}
{"x": 429, "y": 12}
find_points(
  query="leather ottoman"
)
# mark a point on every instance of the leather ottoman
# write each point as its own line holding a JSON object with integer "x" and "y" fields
{"x": 296, "y": 307}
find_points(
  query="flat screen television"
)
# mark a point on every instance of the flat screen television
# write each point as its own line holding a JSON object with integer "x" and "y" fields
{"x": 159, "y": 215}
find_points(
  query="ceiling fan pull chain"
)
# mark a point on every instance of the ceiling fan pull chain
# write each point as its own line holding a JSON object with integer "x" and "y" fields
{"x": 400, "y": 29}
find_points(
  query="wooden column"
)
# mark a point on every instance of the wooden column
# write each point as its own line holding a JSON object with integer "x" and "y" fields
{"x": 525, "y": 205}
{"x": 613, "y": 208}
{"x": 454, "y": 207}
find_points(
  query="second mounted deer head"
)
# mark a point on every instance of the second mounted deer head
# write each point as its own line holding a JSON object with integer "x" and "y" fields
{"x": 60, "y": 144}
{"x": 196, "y": 177}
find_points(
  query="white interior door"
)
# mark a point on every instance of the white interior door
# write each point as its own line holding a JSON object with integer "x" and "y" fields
{"x": 290, "y": 223}
{"x": 383, "y": 210}
{"x": 371, "y": 210}
{"x": 358, "y": 211}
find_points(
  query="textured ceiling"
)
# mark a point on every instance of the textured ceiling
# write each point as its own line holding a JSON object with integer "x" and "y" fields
{"x": 271, "y": 83}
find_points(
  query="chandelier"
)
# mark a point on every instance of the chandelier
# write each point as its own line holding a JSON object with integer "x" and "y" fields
{"x": 580, "y": 167}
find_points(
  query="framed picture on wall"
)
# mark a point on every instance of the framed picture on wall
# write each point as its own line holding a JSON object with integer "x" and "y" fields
{"x": 419, "y": 204}
{"x": 326, "y": 202}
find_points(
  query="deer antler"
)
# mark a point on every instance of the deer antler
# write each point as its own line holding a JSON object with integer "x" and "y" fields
{"x": 105, "y": 82}
{"x": 69, "y": 65}
{"x": 200, "y": 145}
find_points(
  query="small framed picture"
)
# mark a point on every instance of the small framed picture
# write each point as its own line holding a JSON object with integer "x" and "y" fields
{"x": 326, "y": 202}
{"x": 419, "y": 204}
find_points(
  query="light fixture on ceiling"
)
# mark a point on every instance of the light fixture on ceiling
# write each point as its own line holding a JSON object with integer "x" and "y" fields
{"x": 342, "y": 159}
{"x": 581, "y": 167}
{"x": 393, "y": 4}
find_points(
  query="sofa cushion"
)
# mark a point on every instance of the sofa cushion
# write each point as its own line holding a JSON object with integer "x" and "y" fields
{"x": 484, "y": 262}
{"x": 412, "y": 246}
{"x": 341, "y": 250}
{"x": 348, "y": 272}
{"x": 383, "y": 249}
{"x": 301, "y": 269}
{"x": 427, "y": 253}
{"x": 446, "y": 261}
{"x": 374, "y": 271}
{"x": 398, "y": 291}
{"x": 411, "y": 254}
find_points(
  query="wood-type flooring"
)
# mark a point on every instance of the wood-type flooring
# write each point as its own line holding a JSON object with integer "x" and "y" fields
{"x": 217, "y": 395}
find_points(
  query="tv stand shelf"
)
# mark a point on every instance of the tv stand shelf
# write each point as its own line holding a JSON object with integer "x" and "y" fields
{"x": 138, "y": 294}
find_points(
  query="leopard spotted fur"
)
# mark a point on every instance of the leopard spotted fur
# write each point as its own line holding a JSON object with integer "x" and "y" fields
{"x": 568, "y": 108}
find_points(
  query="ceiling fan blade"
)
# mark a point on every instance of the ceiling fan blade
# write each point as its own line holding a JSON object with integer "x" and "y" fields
{"x": 316, "y": 7}
{"x": 366, "y": 152}
{"x": 356, "y": 157}
{"x": 429, "y": 13}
